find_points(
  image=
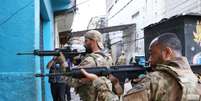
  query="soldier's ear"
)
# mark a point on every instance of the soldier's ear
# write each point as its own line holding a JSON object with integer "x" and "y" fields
{"x": 168, "y": 52}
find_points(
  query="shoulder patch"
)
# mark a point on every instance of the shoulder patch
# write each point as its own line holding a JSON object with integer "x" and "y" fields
{"x": 136, "y": 88}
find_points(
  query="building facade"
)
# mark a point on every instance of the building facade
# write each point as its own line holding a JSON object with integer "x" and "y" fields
{"x": 144, "y": 13}
{"x": 26, "y": 25}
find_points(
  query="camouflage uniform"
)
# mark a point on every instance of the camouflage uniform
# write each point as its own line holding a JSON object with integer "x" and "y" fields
{"x": 109, "y": 59}
{"x": 103, "y": 87}
{"x": 85, "y": 88}
{"x": 121, "y": 60}
{"x": 58, "y": 84}
{"x": 56, "y": 68}
{"x": 172, "y": 81}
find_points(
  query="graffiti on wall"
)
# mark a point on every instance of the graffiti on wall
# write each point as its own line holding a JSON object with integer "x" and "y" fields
{"x": 197, "y": 39}
{"x": 197, "y": 33}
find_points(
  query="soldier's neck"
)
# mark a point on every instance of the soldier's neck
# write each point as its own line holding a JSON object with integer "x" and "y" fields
{"x": 96, "y": 49}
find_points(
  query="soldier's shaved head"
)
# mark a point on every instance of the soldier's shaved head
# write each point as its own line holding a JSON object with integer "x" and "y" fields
{"x": 164, "y": 48}
{"x": 168, "y": 40}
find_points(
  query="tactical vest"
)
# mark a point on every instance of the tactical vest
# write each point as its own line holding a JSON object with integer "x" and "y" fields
{"x": 96, "y": 59}
{"x": 186, "y": 78}
{"x": 87, "y": 92}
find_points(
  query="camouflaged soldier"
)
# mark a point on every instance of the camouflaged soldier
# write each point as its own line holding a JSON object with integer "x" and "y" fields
{"x": 172, "y": 79}
{"x": 122, "y": 59}
{"x": 93, "y": 45}
{"x": 57, "y": 83}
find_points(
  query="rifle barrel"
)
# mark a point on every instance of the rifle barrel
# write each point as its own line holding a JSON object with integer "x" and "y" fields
{"x": 25, "y": 53}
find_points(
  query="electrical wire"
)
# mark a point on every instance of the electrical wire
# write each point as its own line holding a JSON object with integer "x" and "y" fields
{"x": 83, "y": 2}
{"x": 119, "y": 10}
{"x": 16, "y": 12}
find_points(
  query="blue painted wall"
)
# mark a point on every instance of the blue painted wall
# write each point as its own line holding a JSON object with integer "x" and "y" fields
{"x": 19, "y": 31}
{"x": 17, "y": 34}
{"x": 60, "y": 5}
{"x": 36, "y": 46}
{"x": 48, "y": 33}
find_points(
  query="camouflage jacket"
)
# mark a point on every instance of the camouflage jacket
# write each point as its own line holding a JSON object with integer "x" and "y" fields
{"x": 172, "y": 81}
{"x": 121, "y": 60}
{"x": 83, "y": 87}
{"x": 103, "y": 87}
{"x": 56, "y": 68}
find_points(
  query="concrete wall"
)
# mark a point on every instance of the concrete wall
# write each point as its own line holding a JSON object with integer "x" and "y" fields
{"x": 174, "y": 7}
{"x": 21, "y": 22}
{"x": 17, "y": 34}
{"x": 47, "y": 9}
{"x": 62, "y": 5}
{"x": 146, "y": 12}
{"x": 140, "y": 12}
{"x": 46, "y": 14}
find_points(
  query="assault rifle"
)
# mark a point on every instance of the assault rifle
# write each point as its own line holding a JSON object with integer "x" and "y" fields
{"x": 56, "y": 52}
{"x": 122, "y": 72}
